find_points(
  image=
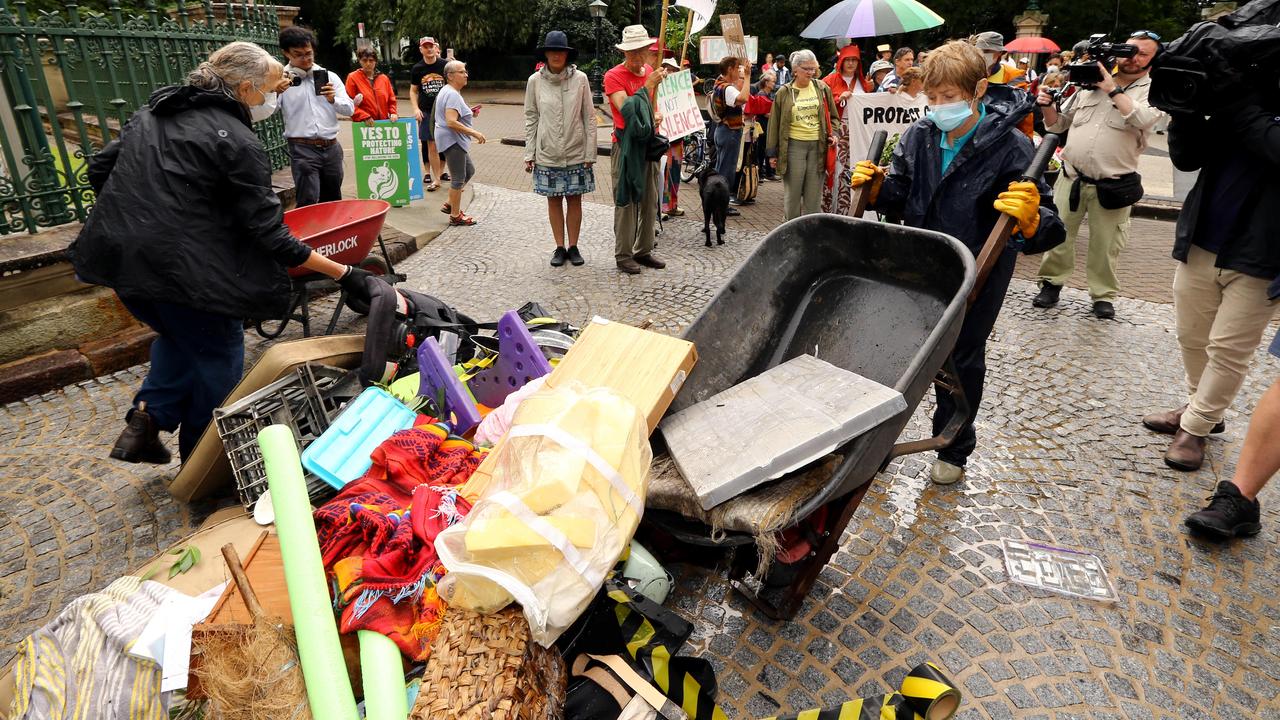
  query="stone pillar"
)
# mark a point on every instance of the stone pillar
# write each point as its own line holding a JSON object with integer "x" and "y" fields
{"x": 1030, "y": 24}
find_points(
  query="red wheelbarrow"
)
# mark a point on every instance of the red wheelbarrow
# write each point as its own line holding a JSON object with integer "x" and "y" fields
{"x": 343, "y": 231}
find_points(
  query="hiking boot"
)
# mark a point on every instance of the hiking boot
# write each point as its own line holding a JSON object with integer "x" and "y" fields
{"x": 575, "y": 257}
{"x": 629, "y": 266}
{"x": 140, "y": 441}
{"x": 1104, "y": 310}
{"x": 1048, "y": 296}
{"x": 648, "y": 260}
{"x": 558, "y": 257}
{"x": 1186, "y": 453}
{"x": 1168, "y": 422}
{"x": 944, "y": 473}
{"x": 1228, "y": 515}
{"x": 732, "y": 212}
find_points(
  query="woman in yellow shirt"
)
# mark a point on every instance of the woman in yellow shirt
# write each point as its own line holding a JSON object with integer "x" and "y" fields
{"x": 799, "y": 133}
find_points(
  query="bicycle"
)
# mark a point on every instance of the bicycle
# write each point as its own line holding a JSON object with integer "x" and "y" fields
{"x": 697, "y": 156}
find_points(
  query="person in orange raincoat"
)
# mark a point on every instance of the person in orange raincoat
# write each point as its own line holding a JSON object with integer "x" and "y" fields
{"x": 377, "y": 98}
{"x": 845, "y": 80}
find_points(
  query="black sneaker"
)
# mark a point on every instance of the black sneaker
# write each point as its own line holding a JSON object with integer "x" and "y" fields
{"x": 1048, "y": 296}
{"x": 1228, "y": 515}
{"x": 140, "y": 441}
{"x": 575, "y": 257}
{"x": 558, "y": 257}
{"x": 1104, "y": 310}
{"x": 733, "y": 212}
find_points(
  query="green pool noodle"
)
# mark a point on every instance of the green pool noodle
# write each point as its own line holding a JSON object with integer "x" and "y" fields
{"x": 383, "y": 677}
{"x": 323, "y": 668}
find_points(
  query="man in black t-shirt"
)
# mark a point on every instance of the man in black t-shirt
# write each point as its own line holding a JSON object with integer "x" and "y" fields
{"x": 425, "y": 81}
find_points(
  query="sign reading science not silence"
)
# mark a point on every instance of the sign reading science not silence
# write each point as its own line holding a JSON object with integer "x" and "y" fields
{"x": 679, "y": 107}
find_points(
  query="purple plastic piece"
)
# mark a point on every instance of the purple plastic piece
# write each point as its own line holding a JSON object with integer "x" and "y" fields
{"x": 520, "y": 360}
{"x": 435, "y": 373}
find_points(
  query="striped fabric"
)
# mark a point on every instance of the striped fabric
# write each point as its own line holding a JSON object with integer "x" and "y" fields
{"x": 76, "y": 667}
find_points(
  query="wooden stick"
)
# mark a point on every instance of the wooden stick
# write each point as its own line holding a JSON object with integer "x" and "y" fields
{"x": 662, "y": 30}
{"x": 242, "y": 581}
{"x": 861, "y": 196}
{"x": 684, "y": 47}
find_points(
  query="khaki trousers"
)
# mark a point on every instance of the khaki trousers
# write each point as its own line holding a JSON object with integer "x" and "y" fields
{"x": 1108, "y": 234}
{"x": 1221, "y": 315}
{"x": 802, "y": 185}
{"x": 642, "y": 216}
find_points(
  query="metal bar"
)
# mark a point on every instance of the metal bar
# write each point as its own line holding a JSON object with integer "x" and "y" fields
{"x": 43, "y": 187}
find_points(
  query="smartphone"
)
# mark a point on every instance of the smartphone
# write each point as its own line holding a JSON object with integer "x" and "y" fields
{"x": 475, "y": 109}
{"x": 319, "y": 78}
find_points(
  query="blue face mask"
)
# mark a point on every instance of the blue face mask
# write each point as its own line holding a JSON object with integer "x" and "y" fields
{"x": 950, "y": 116}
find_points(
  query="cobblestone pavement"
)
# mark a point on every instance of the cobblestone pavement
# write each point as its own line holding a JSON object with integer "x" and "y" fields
{"x": 1062, "y": 460}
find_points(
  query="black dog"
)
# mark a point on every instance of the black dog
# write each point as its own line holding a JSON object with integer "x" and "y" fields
{"x": 714, "y": 190}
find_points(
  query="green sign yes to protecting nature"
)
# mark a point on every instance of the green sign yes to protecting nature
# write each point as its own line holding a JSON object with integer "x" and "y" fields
{"x": 383, "y": 161}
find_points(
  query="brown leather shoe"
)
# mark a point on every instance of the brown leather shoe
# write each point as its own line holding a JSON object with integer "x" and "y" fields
{"x": 1168, "y": 422}
{"x": 1186, "y": 453}
{"x": 140, "y": 441}
{"x": 648, "y": 260}
{"x": 629, "y": 266}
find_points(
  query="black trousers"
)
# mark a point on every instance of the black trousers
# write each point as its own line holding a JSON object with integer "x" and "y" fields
{"x": 970, "y": 356}
{"x": 317, "y": 172}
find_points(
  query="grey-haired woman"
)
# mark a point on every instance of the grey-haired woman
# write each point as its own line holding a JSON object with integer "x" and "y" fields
{"x": 559, "y": 142}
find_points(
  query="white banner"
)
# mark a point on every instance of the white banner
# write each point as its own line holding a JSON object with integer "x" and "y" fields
{"x": 703, "y": 11}
{"x": 679, "y": 108}
{"x": 891, "y": 112}
{"x": 712, "y": 49}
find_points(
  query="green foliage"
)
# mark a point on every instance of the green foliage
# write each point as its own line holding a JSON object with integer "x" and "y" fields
{"x": 571, "y": 16}
{"x": 468, "y": 25}
{"x": 187, "y": 557}
{"x": 369, "y": 12}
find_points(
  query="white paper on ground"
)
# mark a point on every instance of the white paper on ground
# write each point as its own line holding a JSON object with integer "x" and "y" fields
{"x": 166, "y": 639}
{"x": 773, "y": 424}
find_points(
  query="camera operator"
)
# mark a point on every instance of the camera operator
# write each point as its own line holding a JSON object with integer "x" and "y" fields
{"x": 1109, "y": 124}
{"x": 1228, "y": 251}
{"x": 311, "y": 106}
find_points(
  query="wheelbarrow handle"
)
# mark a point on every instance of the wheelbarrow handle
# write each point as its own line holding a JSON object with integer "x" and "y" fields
{"x": 862, "y": 195}
{"x": 999, "y": 237}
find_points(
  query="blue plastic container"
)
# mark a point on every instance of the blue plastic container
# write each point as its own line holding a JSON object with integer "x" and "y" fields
{"x": 342, "y": 453}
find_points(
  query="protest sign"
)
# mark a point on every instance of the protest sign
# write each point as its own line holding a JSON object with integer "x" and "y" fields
{"x": 703, "y": 10}
{"x": 712, "y": 49}
{"x": 382, "y": 161}
{"x": 734, "y": 40}
{"x": 415, "y": 160}
{"x": 891, "y": 112}
{"x": 679, "y": 108}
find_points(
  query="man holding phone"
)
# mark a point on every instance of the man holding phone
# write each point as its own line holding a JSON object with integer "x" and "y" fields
{"x": 311, "y": 103}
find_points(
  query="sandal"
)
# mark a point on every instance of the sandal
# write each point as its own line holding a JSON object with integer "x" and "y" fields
{"x": 461, "y": 219}
{"x": 446, "y": 209}
{"x": 432, "y": 187}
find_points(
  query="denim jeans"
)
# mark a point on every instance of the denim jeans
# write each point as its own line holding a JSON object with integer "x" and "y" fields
{"x": 728, "y": 145}
{"x": 195, "y": 362}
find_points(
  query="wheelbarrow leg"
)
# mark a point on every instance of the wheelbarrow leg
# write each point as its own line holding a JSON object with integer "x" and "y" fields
{"x": 949, "y": 380}
{"x": 793, "y": 597}
{"x": 337, "y": 313}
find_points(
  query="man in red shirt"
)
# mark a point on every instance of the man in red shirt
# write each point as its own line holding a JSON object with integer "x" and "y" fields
{"x": 633, "y": 224}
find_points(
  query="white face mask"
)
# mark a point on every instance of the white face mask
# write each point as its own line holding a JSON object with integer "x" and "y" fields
{"x": 270, "y": 100}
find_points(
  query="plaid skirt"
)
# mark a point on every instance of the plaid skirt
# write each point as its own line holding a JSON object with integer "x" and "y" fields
{"x": 559, "y": 182}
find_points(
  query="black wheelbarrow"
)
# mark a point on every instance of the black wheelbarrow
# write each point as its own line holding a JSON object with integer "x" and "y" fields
{"x": 883, "y": 301}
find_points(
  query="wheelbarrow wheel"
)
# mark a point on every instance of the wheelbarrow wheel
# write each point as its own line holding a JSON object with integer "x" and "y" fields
{"x": 375, "y": 265}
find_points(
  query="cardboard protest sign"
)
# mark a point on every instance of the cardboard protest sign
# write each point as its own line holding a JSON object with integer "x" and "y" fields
{"x": 891, "y": 112}
{"x": 382, "y": 161}
{"x": 679, "y": 107}
{"x": 735, "y": 41}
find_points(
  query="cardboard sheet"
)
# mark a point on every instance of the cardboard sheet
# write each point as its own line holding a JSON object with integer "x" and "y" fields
{"x": 772, "y": 424}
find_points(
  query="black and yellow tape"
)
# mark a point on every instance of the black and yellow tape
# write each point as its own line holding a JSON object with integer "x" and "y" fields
{"x": 925, "y": 694}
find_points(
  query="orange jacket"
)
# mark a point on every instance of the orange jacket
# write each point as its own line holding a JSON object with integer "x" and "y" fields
{"x": 1013, "y": 77}
{"x": 835, "y": 80}
{"x": 379, "y": 101}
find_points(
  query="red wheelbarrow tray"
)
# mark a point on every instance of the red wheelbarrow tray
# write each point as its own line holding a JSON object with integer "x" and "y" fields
{"x": 343, "y": 230}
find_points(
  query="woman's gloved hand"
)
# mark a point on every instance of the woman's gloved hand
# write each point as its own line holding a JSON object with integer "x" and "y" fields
{"x": 353, "y": 282}
{"x": 1022, "y": 203}
{"x": 868, "y": 172}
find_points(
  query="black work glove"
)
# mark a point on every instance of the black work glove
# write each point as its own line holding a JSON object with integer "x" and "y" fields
{"x": 353, "y": 282}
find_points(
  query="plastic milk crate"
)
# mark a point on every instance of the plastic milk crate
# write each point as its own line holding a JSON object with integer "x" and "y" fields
{"x": 307, "y": 400}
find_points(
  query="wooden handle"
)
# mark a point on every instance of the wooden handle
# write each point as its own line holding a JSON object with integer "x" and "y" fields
{"x": 999, "y": 237}
{"x": 862, "y": 195}
{"x": 242, "y": 581}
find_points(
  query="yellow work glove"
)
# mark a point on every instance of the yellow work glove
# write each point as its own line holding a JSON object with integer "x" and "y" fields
{"x": 1022, "y": 203}
{"x": 866, "y": 171}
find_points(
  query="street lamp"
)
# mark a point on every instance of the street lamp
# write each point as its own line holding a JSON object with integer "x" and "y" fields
{"x": 388, "y": 36}
{"x": 597, "y": 8}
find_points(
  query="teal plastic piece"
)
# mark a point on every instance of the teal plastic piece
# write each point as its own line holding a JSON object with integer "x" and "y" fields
{"x": 342, "y": 453}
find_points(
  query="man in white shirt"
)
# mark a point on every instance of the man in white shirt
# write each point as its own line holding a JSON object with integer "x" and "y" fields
{"x": 311, "y": 120}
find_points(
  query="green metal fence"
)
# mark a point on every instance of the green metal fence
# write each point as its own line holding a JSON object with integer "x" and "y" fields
{"x": 70, "y": 81}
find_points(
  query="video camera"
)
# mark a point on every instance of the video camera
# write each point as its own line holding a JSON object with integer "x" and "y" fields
{"x": 1216, "y": 62}
{"x": 1085, "y": 71}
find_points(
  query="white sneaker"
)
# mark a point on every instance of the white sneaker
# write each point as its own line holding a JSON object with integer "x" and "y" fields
{"x": 944, "y": 473}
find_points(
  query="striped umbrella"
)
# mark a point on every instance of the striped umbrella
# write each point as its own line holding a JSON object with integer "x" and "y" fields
{"x": 871, "y": 18}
